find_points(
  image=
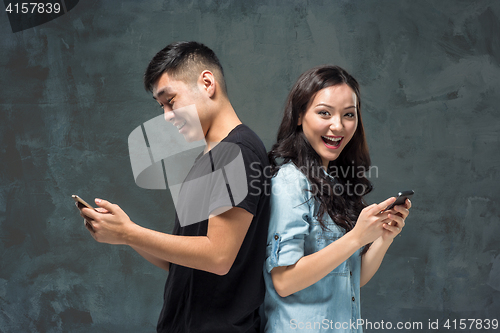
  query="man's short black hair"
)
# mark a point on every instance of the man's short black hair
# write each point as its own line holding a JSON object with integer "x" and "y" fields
{"x": 184, "y": 61}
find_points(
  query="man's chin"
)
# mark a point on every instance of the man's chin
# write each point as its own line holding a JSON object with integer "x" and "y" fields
{"x": 192, "y": 138}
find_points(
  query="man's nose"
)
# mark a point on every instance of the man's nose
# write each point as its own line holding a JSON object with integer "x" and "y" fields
{"x": 169, "y": 115}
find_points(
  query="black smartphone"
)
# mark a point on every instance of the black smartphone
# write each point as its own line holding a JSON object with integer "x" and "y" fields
{"x": 400, "y": 199}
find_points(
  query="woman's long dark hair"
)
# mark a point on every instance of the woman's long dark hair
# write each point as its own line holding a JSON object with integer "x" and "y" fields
{"x": 342, "y": 205}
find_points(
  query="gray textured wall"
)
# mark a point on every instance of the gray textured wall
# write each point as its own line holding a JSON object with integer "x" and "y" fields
{"x": 71, "y": 93}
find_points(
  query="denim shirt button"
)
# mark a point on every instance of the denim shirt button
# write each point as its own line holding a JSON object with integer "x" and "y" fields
{"x": 350, "y": 273}
{"x": 276, "y": 237}
{"x": 353, "y": 299}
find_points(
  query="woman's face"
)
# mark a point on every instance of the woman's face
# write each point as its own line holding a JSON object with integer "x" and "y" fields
{"x": 330, "y": 121}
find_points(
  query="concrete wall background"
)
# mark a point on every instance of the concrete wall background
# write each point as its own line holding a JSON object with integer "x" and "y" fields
{"x": 71, "y": 93}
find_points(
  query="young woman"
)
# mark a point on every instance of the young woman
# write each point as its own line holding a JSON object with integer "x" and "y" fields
{"x": 318, "y": 252}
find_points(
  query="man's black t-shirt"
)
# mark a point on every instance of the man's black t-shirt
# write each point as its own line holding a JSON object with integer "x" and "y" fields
{"x": 196, "y": 301}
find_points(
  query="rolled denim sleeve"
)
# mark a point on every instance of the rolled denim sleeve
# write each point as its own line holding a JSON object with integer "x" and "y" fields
{"x": 290, "y": 216}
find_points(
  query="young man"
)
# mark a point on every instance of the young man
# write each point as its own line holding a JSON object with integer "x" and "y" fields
{"x": 215, "y": 281}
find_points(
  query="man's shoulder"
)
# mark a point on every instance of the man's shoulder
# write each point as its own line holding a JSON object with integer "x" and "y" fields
{"x": 247, "y": 139}
{"x": 241, "y": 134}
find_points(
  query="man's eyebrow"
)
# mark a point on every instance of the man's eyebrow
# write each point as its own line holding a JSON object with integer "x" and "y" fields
{"x": 159, "y": 93}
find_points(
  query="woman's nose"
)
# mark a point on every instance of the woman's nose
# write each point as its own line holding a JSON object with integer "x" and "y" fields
{"x": 336, "y": 123}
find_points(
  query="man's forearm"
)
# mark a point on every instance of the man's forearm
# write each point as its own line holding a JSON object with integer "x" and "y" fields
{"x": 197, "y": 252}
{"x": 163, "y": 264}
{"x": 213, "y": 253}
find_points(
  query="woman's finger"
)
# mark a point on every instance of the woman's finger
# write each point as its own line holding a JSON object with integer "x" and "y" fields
{"x": 408, "y": 204}
{"x": 392, "y": 228}
{"x": 402, "y": 210}
{"x": 384, "y": 204}
{"x": 397, "y": 220}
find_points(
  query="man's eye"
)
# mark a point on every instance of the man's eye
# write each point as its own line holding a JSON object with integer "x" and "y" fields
{"x": 170, "y": 101}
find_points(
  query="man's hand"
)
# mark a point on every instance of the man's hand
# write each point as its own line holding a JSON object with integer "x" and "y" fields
{"x": 110, "y": 224}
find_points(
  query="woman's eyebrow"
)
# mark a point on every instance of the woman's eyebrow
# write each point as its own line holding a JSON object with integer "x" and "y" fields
{"x": 325, "y": 105}
{"x": 331, "y": 107}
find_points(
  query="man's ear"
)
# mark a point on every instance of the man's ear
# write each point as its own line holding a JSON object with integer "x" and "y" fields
{"x": 207, "y": 82}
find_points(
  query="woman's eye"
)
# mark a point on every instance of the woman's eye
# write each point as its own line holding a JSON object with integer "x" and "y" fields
{"x": 324, "y": 113}
{"x": 350, "y": 115}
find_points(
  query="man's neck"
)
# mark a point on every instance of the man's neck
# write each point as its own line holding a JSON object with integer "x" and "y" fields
{"x": 225, "y": 121}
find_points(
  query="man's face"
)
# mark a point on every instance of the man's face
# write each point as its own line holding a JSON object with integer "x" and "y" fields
{"x": 182, "y": 105}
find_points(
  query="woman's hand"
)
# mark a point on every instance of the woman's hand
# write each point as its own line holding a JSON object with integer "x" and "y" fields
{"x": 397, "y": 215}
{"x": 371, "y": 220}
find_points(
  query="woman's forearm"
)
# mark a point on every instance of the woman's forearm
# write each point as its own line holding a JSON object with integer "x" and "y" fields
{"x": 312, "y": 268}
{"x": 371, "y": 260}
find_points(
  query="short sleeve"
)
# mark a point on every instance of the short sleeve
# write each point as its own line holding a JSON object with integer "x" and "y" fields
{"x": 256, "y": 181}
{"x": 290, "y": 218}
{"x": 237, "y": 179}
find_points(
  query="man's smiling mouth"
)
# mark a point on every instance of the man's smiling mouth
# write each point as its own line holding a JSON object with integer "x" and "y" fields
{"x": 181, "y": 125}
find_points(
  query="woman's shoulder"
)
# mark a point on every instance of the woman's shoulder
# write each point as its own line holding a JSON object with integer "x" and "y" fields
{"x": 290, "y": 185}
{"x": 289, "y": 173}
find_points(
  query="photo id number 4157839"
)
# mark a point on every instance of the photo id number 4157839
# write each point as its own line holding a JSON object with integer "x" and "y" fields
{"x": 467, "y": 324}
{"x": 33, "y": 8}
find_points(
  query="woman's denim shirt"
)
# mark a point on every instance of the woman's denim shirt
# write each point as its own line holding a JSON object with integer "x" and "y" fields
{"x": 331, "y": 304}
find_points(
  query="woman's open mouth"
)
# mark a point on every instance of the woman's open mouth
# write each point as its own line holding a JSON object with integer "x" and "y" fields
{"x": 332, "y": 142}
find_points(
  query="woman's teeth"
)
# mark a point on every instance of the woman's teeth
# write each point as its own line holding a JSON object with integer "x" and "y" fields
{"x": 332, "y": 140}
